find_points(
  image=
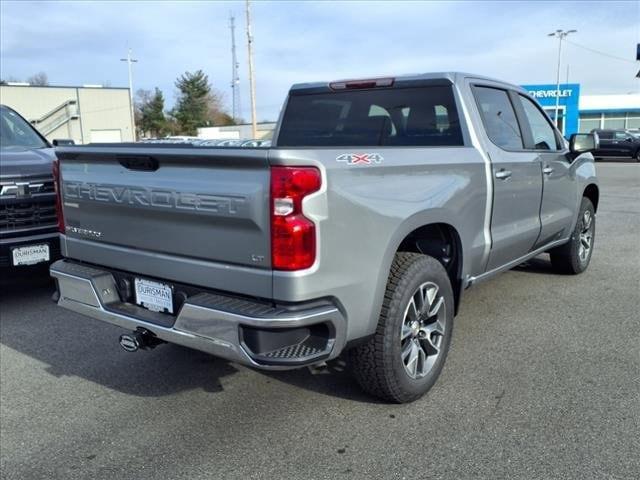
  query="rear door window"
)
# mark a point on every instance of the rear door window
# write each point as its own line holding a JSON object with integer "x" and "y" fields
{"x": 416, "y": 116}
{"x": 499, "y": 117}
{"x": 621, "y": 136}
{"x": 544, "y": 137}
{"x": 605, "y": 134}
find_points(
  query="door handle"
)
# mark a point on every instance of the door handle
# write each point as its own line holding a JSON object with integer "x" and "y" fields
{"x": 547, "y": 170}
{"x": 503, "y": 174}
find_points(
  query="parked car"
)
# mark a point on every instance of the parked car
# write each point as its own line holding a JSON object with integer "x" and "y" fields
{"x": 209, "y": 143}
{"x": 617, "y": 144}
{"x": 380, "y": 202}
{"x": 28, "y": 222}
{"x": 256, "y": 143}
{"x": 229, "y": 143}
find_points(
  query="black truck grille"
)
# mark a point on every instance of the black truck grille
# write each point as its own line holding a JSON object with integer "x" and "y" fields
{"x": 18, "y": 216}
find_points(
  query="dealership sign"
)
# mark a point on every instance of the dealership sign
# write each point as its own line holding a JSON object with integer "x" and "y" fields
{"x": 566, "y": 96}
{"x": 538, "y": 94}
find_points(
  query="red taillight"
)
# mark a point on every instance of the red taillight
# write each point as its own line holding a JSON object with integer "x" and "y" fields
{"x": 57, "y": 186}
{"x": 293, "y": 236}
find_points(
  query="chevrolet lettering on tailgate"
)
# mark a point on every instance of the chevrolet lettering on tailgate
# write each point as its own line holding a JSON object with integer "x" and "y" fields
{"x": 156, "y": 198}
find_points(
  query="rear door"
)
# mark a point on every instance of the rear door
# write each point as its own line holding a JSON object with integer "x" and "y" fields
{"x": 607, "y": 146}
{"x": 517, "y": 178}
{"x": 192, "y": 203}
{"x": 559, "y": 184}
{"x": 624, "y": 144}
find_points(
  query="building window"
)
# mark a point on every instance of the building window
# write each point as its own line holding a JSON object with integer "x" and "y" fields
{"x": 614, "y": 120}
{"x": 589, "y": 121}
{"x": 633, "y": 120}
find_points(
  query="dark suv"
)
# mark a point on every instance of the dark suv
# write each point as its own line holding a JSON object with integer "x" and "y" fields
{"x": 618, "y": 144}
{"x": 28, "y": 219}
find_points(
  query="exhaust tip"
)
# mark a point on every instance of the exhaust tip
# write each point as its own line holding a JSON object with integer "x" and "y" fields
{"x": 129, "y": 342}
{"x": 140, "y": 339}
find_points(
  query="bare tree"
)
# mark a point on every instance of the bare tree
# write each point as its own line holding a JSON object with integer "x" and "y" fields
{"x": 40, "y": 79}
{"x": 142, "y": 98}
{"x": 216, "y": 112}
{"x": 9, "y": 79}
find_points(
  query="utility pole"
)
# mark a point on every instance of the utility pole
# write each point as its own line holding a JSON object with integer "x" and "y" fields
{"x": 560, "y": 35}
{"x": 235, "y": 77}
{"x": 252, "y": 83}
{"x": 129, "y": 61}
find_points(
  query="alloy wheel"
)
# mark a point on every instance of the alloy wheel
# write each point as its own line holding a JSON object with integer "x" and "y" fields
{"x": 423, "y": 329}
{"x": 586, "y": 236}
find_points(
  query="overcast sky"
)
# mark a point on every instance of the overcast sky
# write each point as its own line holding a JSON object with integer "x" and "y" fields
{"x": 79, "y": 43}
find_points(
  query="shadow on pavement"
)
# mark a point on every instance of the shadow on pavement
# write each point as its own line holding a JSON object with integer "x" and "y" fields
{"x": 537, "y": 265}
{"x": 72, "y": 345}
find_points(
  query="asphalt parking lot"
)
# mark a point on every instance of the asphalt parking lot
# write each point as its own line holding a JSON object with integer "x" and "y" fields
{"x": 543, "y": 381}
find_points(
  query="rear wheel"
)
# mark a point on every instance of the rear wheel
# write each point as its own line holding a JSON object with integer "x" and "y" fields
{"x": 403, "y": 359}
{"x": 574, "y": 256}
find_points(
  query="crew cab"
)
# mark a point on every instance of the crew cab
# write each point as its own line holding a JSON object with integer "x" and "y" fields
{"x": 379, "y": 203}
{"x": 617, "y": 144}
{"x": 28, "y": 222}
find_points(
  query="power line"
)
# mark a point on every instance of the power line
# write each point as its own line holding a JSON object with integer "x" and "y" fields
{"x": 604, "y": 54}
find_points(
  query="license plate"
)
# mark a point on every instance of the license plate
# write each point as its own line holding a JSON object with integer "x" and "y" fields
{"x": 31, "y": 254}
{"x": 154, "y": 296}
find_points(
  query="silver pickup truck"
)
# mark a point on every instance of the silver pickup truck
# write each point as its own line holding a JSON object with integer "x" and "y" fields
{"x": 379, "y": 203}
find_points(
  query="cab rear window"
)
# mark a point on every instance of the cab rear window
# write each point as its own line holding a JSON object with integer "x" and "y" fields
{"x": 424, "y": 116}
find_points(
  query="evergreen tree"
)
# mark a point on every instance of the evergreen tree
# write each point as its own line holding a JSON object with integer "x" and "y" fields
{"x": 152, "y": 115}
{"x": 192, "y": 106}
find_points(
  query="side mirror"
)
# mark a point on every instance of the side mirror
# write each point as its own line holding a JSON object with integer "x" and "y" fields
{"x": 582, "y": 143}
{"x": 61, "y": 142}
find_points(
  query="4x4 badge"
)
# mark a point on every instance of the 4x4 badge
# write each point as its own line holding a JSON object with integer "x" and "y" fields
{"x": 359, "y": 158}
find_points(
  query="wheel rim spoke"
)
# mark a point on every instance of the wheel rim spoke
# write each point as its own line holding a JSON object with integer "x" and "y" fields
{"x": 436, "y": 308}
{"x": 413, "y": 356}
{"x": 406, "y": 332}
{"x": 434, "y": 328}
{"x": 412, "y": 310}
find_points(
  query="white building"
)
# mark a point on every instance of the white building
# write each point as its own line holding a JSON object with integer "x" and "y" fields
{"x": 88, "y": 114}
{"x": 237, "y": 132}
{"x": 609, "y": 111}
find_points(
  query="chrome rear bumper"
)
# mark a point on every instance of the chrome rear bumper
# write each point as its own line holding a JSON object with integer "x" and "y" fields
{"x": 224, "y": 326}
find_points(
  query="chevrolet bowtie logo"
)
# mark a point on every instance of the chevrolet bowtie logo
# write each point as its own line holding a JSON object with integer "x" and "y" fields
{"x": 21, "y": 189}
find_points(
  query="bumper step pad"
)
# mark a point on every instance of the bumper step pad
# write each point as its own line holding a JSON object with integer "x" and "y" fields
{"x": 297, "y": 351}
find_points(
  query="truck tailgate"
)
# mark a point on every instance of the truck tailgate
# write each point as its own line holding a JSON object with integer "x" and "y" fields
{"x": 191, "y": 203}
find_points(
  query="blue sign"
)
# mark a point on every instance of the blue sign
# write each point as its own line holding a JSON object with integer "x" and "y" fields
{"x": 568, "y": 94}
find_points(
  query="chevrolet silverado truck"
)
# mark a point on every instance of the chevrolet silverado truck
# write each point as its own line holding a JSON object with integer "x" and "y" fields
{"x": 617, "y": 144}
{"x": 379, "y": 203}
{"x": 28, "y": 222}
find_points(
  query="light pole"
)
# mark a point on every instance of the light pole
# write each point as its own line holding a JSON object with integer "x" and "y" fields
{"x": 129, "y": 61}
{"x": 561, "y": 35}
{"x": 252, "y": 82}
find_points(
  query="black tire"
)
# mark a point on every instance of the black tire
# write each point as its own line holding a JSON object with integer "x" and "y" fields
{"x": 378, "y": 365}
{"x": 567, "y": 258}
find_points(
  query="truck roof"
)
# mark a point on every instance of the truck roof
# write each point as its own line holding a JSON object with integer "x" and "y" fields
{"x": 451, "y": 77}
